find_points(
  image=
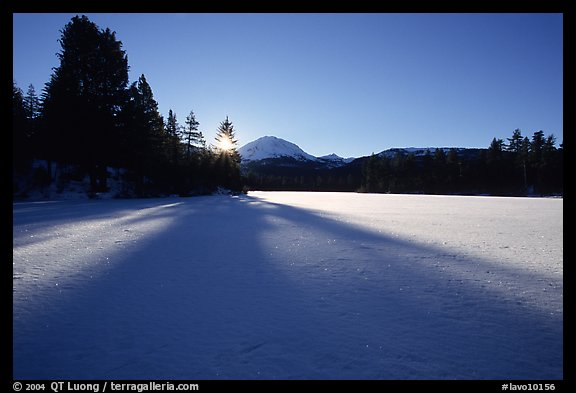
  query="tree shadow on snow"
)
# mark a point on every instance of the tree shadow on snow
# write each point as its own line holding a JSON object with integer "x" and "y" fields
{"x": 241, "y": 288}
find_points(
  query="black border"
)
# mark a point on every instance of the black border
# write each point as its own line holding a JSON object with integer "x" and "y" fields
{"x": 566, "y": 7}
{"x": 249, "y": 6}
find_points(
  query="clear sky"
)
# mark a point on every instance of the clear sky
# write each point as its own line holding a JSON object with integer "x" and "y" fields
{"x": 349, "y": 84}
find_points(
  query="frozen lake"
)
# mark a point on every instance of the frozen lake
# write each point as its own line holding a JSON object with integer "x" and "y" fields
{"x": 288, "y": 285}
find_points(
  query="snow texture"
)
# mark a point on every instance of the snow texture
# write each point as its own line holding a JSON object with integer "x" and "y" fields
{"x": 336, "y": 159}
{"x": 289, "y": 285}
{"x": 272, "y": 147}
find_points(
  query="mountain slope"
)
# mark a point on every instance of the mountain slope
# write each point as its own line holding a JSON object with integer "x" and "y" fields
{"x": 272, "y": 147}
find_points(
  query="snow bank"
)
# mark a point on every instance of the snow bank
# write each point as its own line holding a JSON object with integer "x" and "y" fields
{"x": 289, "y": 286}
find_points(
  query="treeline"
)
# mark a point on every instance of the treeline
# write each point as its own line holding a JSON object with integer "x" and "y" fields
{"x": 294, "y": 175}
{"x": 90, "y": 122}
{"x": 520, "y": 167}
{"x": 89, "y": 119}
{"x": 310, "y": 182}
{"x": 523, "y": 166}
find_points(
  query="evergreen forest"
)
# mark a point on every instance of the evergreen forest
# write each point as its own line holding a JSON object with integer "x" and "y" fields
{"x": 520, "y": 167}
{"x": 90, "y": 122}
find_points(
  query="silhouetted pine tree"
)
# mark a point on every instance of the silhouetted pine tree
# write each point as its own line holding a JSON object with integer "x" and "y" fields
{"x": 192, "y": 137}
{"x": 83, "y": 98}
{"x": 20, "y": 136}
{"x": 496, "y": 179}
{"x": 515, "y": 143}
{"x": 32, "y": 110}
{"x": 370, "y": 174}
{"x": 227, "y": 160}
{"x": 172, "y": 129}
{"x": 517, "y": 148}
{"x": 547, "y": 166}
{"x": 171, "y": 126}
{"x": 523, "y": 158}
{"x": 31, "y": 104}
{"x": 143, "y": 133}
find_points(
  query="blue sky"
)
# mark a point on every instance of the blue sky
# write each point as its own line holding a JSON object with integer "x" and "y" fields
{"x": 349, "y": 84}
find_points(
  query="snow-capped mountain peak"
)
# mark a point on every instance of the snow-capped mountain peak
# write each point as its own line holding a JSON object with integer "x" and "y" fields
{"x": 336, "y": 159}
{"x": 331, "y": 157}
{"x": 272, "y": 147}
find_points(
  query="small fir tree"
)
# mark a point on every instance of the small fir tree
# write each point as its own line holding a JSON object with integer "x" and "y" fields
{"x": 192, "y": 137}
{"x": 227, "y": 157}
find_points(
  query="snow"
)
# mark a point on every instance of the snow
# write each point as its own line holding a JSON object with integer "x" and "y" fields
{"x": 337, "y": 159}
{"x": 71, "y": 189}
{"x": 289, "y": 285}
{"x": 418, "y": 151}
{"x": 272, "y": 147}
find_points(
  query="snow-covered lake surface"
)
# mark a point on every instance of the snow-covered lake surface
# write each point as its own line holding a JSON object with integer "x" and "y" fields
{"x": 287, "y": 285}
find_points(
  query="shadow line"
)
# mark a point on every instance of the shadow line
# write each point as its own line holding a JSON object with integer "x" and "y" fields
{"x": 242, "y": 288}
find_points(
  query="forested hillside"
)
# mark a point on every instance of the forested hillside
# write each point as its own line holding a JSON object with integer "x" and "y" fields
{"x": 522, "y": 166}
{"x": 90, "y": 122}
{"x": 93, "y": 130}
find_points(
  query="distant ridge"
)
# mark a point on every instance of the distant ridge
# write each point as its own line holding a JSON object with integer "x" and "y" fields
{"x": 271, "y": 147}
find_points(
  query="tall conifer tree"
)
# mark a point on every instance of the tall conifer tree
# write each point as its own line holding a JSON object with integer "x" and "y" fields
{"x": 228, "y": 159}
{"x": 83, "y": 98}
{"x": 193, "y": 137}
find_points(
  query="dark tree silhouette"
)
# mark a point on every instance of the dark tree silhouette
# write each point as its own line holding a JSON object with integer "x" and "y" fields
{"x": 83, "y": 98}
{"x": 143, "y": 132}
{"x": 20, "y": 130}
{"x": 192, "y": 137}
{"x": 88, "y": 119}
{"x": 173, "y": 133}
{"x": 227, "y": 161}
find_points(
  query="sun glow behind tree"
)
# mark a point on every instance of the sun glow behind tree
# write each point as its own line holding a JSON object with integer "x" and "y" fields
{"x": 225, "y": 138}
{"x": 227, "y": 165}
{"x": 225, "y": 144}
